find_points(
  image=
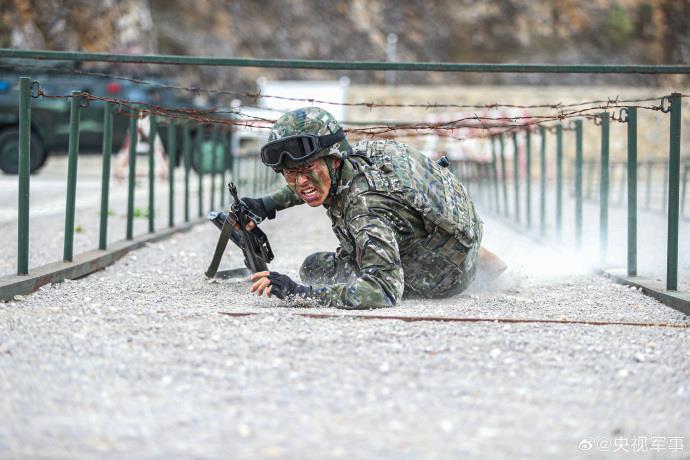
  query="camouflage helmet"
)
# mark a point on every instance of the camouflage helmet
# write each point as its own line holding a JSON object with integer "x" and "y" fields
{"x": 313, "y": 121}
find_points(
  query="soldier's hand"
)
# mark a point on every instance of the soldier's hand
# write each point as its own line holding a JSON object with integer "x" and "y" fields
{"x": 255, "y": 211}
{"x": 249, "y": 227}
{"x": 279, "y": 285}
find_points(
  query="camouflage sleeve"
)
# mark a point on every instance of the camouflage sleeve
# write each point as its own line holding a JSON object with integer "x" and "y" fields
{"x": 380, "y": 282}
{"x": 281, "y": 199}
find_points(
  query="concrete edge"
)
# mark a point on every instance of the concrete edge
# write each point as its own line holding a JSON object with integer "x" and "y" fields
{"x": 83, "y": 264}
{"x": 677, "y": 300}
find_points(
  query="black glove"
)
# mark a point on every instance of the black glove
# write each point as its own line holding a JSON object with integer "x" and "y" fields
{"x": 257, "y": 207}
{"x": 282, "y": 286}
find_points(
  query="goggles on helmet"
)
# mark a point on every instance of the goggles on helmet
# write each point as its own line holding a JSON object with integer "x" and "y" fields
{"x": 297, "y": 149}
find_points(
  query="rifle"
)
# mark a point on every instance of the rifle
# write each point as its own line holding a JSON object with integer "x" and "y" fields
{"x": 254, "y": 244}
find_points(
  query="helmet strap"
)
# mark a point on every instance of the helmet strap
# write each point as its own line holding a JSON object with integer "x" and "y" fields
{"x": 334, "y": 174}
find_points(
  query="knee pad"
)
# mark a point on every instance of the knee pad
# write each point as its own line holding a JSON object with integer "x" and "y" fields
{"x": 316, "y": 265}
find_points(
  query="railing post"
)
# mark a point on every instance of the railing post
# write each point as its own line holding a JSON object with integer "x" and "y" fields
{"x": 73, "y": 155}
{"x": 542, "y": 182}
{"x": 152, "y": 171}
{"x": 516, "y": 176}
{"x": 24, "y": 175}
{"x": 255, "y": 170}
{"x": 604, "y": 189}
{"x": 214, "y": 172}
{"x": 673, "y": 193}
{"x": 466, "y": 179}
{"x": 686, "y": 168}
{"x": 187, "y": 159}
{"x": 528, "y": 174}
{"x": 224, "y": 166}
{"x": 578, "y": 182}
{"x": 665, "y": 198}
{"x": 478, "y": 168}
{"x": 504, "y": 175}
{"x": 132, "y": 172}
{"x": 494, "y": 170}
{"x": 484, "y": 177}
{"x": 632, "y": 190}
{"x": 200, "y": 168}
{"x": 172, "y": 162}
{"x": 559, "y": 180}
{"x": 105, "y": 175}
{"x": 230, "y": 159}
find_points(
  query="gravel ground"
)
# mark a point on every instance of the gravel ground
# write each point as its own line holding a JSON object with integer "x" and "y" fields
{"x": 136, "y": 361}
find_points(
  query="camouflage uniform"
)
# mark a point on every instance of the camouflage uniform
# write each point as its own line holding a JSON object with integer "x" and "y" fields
{"x": 406, "y": 227}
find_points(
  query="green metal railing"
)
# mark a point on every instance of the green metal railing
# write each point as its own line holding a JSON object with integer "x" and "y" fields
{"x": 674, "y": 188}
{"x": 346, "y": 65}
{"x": 222, "y": 161}
{"x": 487, "y": 180}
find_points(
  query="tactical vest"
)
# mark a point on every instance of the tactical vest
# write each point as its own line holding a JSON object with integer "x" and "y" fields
{"x": 433, "y": 190}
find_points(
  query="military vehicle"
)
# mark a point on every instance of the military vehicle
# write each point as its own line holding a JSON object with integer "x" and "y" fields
{"x": 50, "y": 116}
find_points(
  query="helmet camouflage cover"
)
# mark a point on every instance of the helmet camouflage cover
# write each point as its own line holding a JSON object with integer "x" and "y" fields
{"x": 310, "y": 120}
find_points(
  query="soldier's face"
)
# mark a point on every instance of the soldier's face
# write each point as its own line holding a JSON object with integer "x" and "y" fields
{"x": 311, "y": 181}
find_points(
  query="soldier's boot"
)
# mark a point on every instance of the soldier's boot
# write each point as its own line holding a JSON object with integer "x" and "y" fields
{"x": 326, "y": 268}
{"x": 489, "y": 266}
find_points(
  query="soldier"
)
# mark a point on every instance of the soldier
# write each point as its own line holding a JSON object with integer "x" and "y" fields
{"x": 406, "y": 225}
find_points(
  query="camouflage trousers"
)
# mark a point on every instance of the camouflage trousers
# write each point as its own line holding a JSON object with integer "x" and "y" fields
{"x": 437, "y": 266}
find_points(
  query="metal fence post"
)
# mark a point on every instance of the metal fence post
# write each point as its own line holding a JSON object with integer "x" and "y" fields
{"x": 686, "y": 168}
{"x": 214, "y": 139}
{"x": 542, "y": 182}
{"x": 664, "y": 200}
{"x": 224, "y": 165}
{"x": 528, "y": 174}
{"x": 24, "y": 175}
{"x": 479, "y": 172}
{"x": 466, "y": 179}
{"x": 255, "y": 170}
{"x": 200, "y": 168}
{"x": 559, "y": 180}
{"x": 73, "y": 155}
{"x": 516, "y": 176}
{"x": 504, "y": 175}
{"x": 152, "y": 171}
{"x": 578, "y": 182}
{"x": 132, "y": 172}
{"x": 673, "y": 192}
{"x": 105, "y": 175}
{"x": 604, "y": 189}
{"x": 172, "y": 162}
{"x": 231, "y": 156}
{"x": 494, "y": 170}
{"x": 186, "y": 158}
{"x": 632, "y": 189}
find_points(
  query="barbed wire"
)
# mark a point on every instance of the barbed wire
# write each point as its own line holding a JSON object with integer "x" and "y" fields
{"x": 608, "y": 103}
{"x": 490, "y": 125}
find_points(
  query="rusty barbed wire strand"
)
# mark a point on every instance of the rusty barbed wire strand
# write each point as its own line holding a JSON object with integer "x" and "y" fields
{"x": 489, "y": 125}
{"x": 612, "y": 103}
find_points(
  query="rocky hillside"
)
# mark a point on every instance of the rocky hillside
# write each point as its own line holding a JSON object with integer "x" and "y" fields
{"x": 567, "y": 31}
